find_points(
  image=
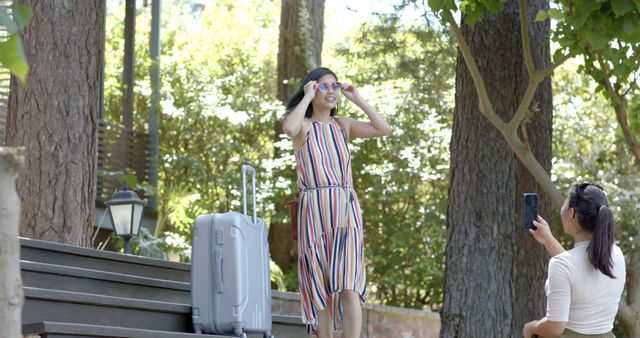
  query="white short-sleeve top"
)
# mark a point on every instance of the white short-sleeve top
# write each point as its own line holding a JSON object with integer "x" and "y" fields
{"x": 581, "y": 295}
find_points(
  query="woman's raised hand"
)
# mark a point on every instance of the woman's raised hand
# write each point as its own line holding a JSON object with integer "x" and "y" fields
{"x": 349, "y": 91}
{"x": 310, "y": 89}
{"x": 542, "y": 233}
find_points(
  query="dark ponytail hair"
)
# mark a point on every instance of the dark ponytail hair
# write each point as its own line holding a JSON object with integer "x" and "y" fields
{"x": 590, "y": 204}
{"x": 314, "y": 75}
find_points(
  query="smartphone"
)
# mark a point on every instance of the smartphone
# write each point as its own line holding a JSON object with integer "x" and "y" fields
{"x": 529, "y": 210}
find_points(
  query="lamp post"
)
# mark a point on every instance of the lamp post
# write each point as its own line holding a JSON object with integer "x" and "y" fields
{"x": 125, "y": 212}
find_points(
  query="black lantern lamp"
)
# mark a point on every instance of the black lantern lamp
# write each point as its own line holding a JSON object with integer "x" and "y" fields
{"x": 125, "y": 211}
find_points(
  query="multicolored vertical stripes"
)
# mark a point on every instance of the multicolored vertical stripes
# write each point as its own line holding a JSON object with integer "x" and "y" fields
{"x": 330, "y": 246}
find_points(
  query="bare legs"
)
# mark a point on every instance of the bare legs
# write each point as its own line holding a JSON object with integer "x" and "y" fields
{"x": 352, "y": 317}
{"x": 352, "y": 313}
{"x": 325, "y": 324}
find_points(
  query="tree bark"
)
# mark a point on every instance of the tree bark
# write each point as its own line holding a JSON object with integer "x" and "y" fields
{"x": 54, "y": 116}
{"x": 300, "y": 44}
{"x": 495, "y": 272}
{"x": 530, "y": 264}
{"x": 299, "y": 51}
{"x": 629, "y": 309}
{"x": 11, "y": 295}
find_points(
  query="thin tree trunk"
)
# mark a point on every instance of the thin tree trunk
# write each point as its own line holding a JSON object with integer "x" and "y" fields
{"x": 494, "y": 272}
{"x": 11, "y": 295}
{"x": 299, "y": 51}
{"x": 54, "y": 116}
{"x": 629, "y": 309}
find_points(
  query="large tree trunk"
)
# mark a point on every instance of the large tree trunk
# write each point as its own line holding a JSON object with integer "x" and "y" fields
{"x": 494, "y": 271}
{"x": 54, "y": 116}
{"x": 300, "y": 45}
{"x": 11, "y": 295}
{"x": 299, "y": 51}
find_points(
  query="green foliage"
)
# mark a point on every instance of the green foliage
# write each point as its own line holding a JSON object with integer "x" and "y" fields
{"x": 277, "y": 277}
{"x": 145, "y": 244}
{"x": 407, "y": 72}
{"x": 11, "y": 53}
{"x": 12, "y": 57}
{"x": 541, "y": 15}
{"x": 219, "y": 109}
{"x": 216, "y": 99}
{"x": 588, "y": 146}
{"x": 474, "y": 10}
{"x": 218, "y": 104}
{"x": 610, "y": 28}
{"x": 22, "y": 16}
{"x": 129, "y": 179}
{"x": 442, "y": 5}
{"x": 598, "y": 151}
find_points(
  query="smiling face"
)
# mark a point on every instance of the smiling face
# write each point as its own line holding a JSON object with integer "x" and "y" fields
{"x": 329, "y": 99}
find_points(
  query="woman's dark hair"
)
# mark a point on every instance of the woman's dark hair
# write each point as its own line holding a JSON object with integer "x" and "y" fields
{"x": 590, "y": 203}
{"x": 314, "y": 75}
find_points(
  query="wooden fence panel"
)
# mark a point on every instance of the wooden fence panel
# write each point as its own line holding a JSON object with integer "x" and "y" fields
{"x": 120, "y": 149}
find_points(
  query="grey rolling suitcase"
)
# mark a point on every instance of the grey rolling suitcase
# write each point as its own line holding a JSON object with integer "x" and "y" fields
{"x": 230, "y": 282}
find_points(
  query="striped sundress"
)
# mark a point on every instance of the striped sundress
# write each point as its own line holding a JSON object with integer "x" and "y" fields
{"x": 330, "y": 236}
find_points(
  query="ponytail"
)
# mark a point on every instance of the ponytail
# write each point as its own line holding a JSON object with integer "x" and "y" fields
{"x": 599, "y": 249}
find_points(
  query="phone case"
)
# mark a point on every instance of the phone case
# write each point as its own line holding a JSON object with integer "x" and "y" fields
{"x": 529, "y": 210}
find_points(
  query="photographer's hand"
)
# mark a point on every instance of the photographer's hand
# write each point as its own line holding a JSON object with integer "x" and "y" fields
{"x": 543, "y": 235}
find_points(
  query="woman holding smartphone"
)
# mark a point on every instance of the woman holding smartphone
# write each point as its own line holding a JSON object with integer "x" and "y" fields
{"x": 584, "y": 284}
{"x": 331, "y": 273}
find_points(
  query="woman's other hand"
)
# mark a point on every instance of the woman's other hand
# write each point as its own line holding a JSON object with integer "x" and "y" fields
{"x": 527, "y": 330}
{"x": 349, "y": 91}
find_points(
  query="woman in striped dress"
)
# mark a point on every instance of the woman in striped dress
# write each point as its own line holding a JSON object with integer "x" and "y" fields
{"x": 331, "y": 273}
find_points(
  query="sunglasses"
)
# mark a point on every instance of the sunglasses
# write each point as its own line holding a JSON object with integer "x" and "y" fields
{"x": 324, "y": 87}
{"x": 580, "y": 188}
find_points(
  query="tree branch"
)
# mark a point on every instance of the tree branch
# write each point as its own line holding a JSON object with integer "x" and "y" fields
{"x": 484, "y": 103}
{"x": 620, "y": 108}
{"x": 634, "y": 82}
{"x": 524, "y": 34}
{"x": 523, "y": 108}
{"x": 510, "y": 134}
{"x": 535, "y": 76}
{"x": 547, "y": 71}
{"x": 633, "y": 278}
{"x": 534, "y": 167}
{"x": 632, "y": 85}
{"x": 626, "y": 316}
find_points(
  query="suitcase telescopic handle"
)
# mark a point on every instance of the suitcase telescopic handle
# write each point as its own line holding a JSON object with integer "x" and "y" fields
{"x": 252, "y": 170}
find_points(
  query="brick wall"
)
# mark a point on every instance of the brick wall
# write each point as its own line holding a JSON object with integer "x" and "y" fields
{"x": 378, "y": 321}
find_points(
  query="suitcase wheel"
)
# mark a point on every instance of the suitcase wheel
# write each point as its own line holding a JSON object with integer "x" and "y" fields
{"x": 238, "y": 332}
{"x": 197, "y": 329}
